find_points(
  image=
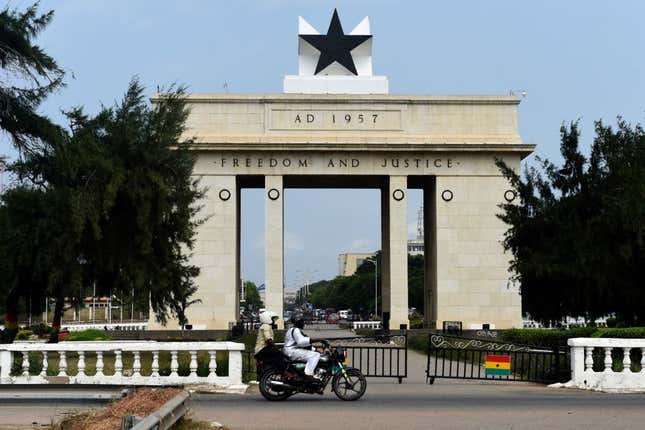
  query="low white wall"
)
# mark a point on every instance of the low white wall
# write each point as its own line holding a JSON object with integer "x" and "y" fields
{"x": 120, "y": 375}
{"x": 366, "y": 324}
{"x": 582, "y": 373}
{"x": 130, "y": 326}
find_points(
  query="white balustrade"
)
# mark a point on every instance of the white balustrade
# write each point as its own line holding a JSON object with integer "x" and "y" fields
{"x": 123, "y": 371}
{"x": 584, "y": 376}
{"x": 376, "y": 325}
{"x": 129, "y": 326}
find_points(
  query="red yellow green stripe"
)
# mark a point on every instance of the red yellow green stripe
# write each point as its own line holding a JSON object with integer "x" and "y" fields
{"x": 498, "y": 365}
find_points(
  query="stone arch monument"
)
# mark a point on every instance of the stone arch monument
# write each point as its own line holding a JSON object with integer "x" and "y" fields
{"x": 335, "y": 125}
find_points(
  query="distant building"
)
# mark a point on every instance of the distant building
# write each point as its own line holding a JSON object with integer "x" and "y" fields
{"x": 415, "y": 246}
{"x": 349, "y": 262}
{"x": 290, "y": 296}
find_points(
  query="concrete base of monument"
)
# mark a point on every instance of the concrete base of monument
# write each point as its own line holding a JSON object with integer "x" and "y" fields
{"x": 294, "y": 84}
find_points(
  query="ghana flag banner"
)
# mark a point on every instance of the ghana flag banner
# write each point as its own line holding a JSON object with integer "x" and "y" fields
{"x": 498, "y": 365}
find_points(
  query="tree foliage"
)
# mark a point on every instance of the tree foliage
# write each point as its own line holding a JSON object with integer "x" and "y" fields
{"x": 30, "y": 75}
{"x": 110, "y": 204}
{"x": 356, "y": 292}
{"x": 577, "y": 234}
{"x": 252, "y": 295}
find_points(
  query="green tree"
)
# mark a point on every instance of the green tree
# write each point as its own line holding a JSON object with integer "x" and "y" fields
{"x": 416, "y": 286}
{"x": 30, "y": 75}
{"x": 356, "y": 292}
{"x": 110, "y": 204}
{"x": 577, "y": 235}
{"x": 253, "y": 295}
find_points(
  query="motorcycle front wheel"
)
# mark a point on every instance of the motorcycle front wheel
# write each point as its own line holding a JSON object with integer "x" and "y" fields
{"x": 268, "y": 391}
{"x": 351, "y": 388}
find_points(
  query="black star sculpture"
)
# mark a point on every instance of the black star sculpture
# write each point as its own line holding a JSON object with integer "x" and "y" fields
{"x": 335, "y": 46}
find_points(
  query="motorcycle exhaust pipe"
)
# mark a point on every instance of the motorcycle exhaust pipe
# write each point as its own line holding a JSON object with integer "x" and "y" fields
{"x": 282, "y": 385}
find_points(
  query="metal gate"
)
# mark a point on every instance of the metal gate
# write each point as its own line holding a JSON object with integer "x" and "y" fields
{"x": 463, "y": 358}
{"x": 377, "y": 356}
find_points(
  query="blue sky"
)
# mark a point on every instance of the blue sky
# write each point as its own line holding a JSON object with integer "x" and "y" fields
{"x": 576, "y": 59}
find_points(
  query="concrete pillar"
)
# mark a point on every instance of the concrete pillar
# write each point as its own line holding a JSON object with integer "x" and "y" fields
{"x": 430, "y": 253}
{"x": 217, "y": 254}
{"x": 472, "y": 277}
{"x": 395, "y": 219}
{"x": 384, "y": 302}
{"x": 274, "y": 245}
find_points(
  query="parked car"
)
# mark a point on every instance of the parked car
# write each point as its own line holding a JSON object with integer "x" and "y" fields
{"x": 332, "y": 318}
{"x": 345, "y": 314}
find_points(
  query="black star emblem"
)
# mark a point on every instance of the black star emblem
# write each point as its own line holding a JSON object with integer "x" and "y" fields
{"x": 335, "y": 46}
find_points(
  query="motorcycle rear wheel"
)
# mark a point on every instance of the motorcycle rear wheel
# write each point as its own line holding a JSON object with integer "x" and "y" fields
{"x": 267, "y": 391}
{"x": 351, "y": 389}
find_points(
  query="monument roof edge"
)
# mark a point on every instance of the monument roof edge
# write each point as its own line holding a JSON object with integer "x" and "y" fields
{"x": 522, "y": 148}
{"x": 344, "y": 98}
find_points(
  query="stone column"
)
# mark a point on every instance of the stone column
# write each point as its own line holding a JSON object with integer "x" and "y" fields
{"x": 472, "y": 277}
{"x": 274, "y": 245}
{"x": 395, "y": 273}
{"x": 217, "y": 254}
{"x": 384, "y": 299}
{"x": 430, "y": 252}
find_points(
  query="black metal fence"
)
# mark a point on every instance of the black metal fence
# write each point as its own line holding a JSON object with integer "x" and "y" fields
{"x": 378, "y": 356}
{"x": 464, "y": 358}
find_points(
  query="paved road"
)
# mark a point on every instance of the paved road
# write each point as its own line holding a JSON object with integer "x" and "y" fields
{"x": 39, "y": 414}
{"x": 448, "y": 404}
{"x": 388, "y": 405}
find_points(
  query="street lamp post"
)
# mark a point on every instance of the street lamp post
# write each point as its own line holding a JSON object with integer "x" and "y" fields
{"x": 375, "y": 263}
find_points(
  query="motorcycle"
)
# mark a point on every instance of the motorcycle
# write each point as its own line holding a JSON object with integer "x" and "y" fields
{"x": 281, "y": 382}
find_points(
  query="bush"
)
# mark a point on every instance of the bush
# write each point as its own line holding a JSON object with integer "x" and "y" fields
{"x": 41, "y": 329}
{"x": 24, "y": 334}
{"x": 416, "y": 321}
{"x": 88, "y": 335}
{"x": 612, "y": 322}
{"x": 545, "y": 337}
{"x": 418, "y": 342}
{"x": 631, "y": 332}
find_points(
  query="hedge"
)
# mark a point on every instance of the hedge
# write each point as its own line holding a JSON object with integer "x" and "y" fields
{"x": 631, "y": 332}
{"x": 88, "y": 335}
{"x": 545, "y": 337}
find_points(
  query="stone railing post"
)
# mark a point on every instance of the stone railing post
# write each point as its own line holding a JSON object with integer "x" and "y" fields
{"x": 235, "y": 366}
{"x": 627, "y": 360}
{"x": 99, "y": 364}
{"x": 577, "y": 362}
{"x": 43, "y": 371}
{"x": 6, "y": 358}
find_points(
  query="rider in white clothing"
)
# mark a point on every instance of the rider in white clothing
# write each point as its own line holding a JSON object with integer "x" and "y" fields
{"x": 297, "y": 346}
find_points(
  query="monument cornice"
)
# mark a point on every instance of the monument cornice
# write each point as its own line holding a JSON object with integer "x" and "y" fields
{"x": 523, "y": 149}
{"x": 349, "y": 99}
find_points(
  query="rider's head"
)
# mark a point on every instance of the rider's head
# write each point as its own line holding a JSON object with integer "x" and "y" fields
{"x": 269, "y": 317}
{"x": 298, "y": 321}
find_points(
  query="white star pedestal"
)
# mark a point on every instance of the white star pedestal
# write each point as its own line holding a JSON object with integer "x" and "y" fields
{"x": 335, "y": 79}
{"x": 335, "y": 84}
